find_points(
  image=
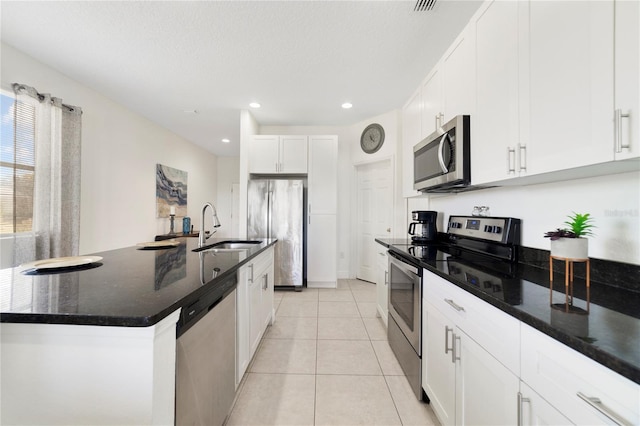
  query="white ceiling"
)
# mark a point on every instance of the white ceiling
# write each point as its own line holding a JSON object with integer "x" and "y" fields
{"x": 300, "y": 59}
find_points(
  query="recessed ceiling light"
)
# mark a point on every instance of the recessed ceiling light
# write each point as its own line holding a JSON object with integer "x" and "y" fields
{"x": 347, "y": 105}
{"x": 254, "y": 105}
{"x": 225, "y": 140}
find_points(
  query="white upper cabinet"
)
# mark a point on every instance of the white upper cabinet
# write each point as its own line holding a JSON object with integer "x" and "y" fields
{"x": 569, "y": 69}
{"x": 449, "y": 89}
{"x": 458, "y": 76}
{"x": 627, "y": 80}
{"x": 293, "y": 154}
{"x": 432, "y": 103}
{"x": 495, "y": 126}
{"x": 411, "y": 135}
{"x": 549, "y": 98}
{"x": 271, "y": 154}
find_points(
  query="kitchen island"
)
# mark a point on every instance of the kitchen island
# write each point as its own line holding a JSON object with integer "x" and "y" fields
{"x": 98, "y": 345}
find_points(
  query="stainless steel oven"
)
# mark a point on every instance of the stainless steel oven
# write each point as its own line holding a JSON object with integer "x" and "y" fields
{"x": 405, "y": 317}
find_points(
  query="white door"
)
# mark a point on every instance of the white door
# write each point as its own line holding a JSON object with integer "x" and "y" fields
{"x": 375, "y": 203}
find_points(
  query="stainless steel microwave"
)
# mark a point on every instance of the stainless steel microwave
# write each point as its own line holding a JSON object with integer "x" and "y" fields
{"x": 441, "y": 161}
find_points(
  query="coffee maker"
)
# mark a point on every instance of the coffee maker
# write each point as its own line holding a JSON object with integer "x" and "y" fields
{"x": 423, "y": 228}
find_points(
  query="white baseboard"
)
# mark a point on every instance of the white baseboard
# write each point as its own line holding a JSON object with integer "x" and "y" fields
{"x": 322, "y": 284}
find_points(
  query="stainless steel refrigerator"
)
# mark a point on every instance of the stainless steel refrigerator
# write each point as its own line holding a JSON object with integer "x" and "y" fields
{"x": 276, "y": 210}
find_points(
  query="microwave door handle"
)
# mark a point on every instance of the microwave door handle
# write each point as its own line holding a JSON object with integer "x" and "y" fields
{"x": 440, "y": 155}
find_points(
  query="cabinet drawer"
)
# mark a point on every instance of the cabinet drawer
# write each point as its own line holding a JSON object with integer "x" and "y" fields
{"x": 498, "y": 333}
{"x": 561, "y": 374}
{"x": 263, "y": 262}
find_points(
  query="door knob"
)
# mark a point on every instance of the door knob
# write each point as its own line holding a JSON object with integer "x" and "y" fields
{"x": 388, "y": 229}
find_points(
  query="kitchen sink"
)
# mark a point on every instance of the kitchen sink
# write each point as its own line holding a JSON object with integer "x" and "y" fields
{"x": 230, "y": 245}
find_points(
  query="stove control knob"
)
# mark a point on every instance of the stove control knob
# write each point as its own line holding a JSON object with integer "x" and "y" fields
{"x": 497, "y": 230}
{"x": 455, "y": 225}
{"x": 488, "y": 228}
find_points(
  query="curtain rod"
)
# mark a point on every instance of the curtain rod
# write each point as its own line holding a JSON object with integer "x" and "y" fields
{"x": 31, "y": 91}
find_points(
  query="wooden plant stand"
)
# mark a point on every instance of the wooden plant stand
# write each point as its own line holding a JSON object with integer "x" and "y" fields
{"x": 568, "y": 281}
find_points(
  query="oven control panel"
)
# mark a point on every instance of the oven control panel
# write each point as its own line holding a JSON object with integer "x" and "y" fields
{"x": 505, "y": 230}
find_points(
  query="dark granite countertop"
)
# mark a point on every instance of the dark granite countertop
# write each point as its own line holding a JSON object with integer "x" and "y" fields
{"x": 129, "y": 287}
{"x": 609, "y": 334}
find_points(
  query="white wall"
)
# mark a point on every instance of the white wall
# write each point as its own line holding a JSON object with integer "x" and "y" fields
{"x": 613, "y": 201}
{"x": 120, "y": 150}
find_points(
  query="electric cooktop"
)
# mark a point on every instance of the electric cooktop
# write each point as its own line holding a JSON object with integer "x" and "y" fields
{"x": 481, "y": 251}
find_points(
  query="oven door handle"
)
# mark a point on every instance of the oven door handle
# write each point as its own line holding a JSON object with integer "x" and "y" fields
{"x": 403, "y": 264}
{"x": 441, "y": 155}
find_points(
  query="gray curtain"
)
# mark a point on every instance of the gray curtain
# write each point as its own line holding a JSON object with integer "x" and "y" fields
{"x": 56, "y": 209}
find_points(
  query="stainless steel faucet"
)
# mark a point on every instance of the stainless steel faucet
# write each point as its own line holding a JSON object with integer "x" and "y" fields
{"x": 202, "y": 236}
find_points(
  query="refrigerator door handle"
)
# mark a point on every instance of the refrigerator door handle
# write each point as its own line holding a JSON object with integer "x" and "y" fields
{"x": 269, "y": 209}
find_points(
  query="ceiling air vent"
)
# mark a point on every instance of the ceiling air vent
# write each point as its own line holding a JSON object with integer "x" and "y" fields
{"x": 424, "y": 5}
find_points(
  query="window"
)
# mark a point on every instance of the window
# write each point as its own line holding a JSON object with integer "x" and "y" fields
{"x": 17, "y": 165}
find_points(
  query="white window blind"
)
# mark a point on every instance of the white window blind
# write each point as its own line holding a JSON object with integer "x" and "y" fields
{"x": 17, "y": 161}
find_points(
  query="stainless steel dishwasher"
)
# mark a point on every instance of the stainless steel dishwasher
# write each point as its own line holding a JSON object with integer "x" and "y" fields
{"x": 206, "y": 356}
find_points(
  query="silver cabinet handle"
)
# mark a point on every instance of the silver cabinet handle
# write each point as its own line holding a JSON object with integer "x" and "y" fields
{"x": 454, "y": 305}
{"x": 265, "y": 281}
{"x": 598, "y": 405}
{"x": 521, "y": 400}
{"x": 386, "y": 277}
{"x": 251, "y": 277}
{"x": 618, "y": 130}
{"x": 511, "y": 169}
{"x": 382, "y": 254}
{"x": 455, "y": 356}
{"x": 447, "y": 329}
{"x": 522, "y": 153}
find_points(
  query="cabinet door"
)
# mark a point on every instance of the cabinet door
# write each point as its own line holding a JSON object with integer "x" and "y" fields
{"x": 538, "y": 412}
{"x": 459, "y": 77}
{"x": 267, "y": 298}
{"x": 477, "y": 372}
{"x": 557, "y": 373}
{"x": 495, "y": 125}
{"x": 293, "y": 154}
{"x": 242, "y": 324}
{"x": 321, "y": 250}
{"x": 411, "y": 135}
{"x": 382, "y": 283}
{"x": 570, "y": 94}
{"x": 323, "y": 175}
{"x": 263, "y": 154}
{"x": 439, "y": 370}
{"x": 627, "y": 79}
{"x": 256, "y": 315}
{"x": 432, "y": 110}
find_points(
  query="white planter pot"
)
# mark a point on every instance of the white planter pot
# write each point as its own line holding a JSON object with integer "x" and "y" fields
{"x": 570, "y": 248}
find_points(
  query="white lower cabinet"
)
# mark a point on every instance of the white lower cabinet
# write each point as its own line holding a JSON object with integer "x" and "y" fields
{"x": 382, "y": 284}
{"x": 322, "y": 240}
{"x": 535, "y": 411}
{"x": 467, "y": 376}
{"x": 582, "y": 390}
{"x": 459, "y": 374}
{"x": 254, "y": 309}
{"x": 438, "y": 368}
{"x": 486, "y": 391}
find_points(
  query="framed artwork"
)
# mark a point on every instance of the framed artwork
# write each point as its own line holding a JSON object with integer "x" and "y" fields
{"x": 171, "y": 191}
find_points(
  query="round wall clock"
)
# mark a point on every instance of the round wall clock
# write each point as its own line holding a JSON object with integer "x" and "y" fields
{"x": 372, "y": 138}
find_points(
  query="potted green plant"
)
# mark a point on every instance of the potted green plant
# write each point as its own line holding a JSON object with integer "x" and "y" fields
{"x": 571, "y": 242}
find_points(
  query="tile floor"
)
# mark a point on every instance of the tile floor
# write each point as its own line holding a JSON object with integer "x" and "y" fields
{"x": 326, "y": 361}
